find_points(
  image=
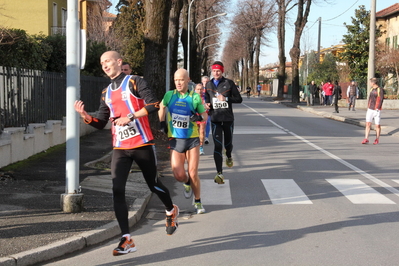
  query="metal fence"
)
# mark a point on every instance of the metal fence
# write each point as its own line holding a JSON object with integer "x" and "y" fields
{"x": 32, "y": 96}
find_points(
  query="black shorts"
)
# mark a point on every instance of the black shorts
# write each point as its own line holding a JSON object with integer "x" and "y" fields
{"x": 183, "y": 145}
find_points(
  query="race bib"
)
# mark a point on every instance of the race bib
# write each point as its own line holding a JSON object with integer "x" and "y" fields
{"x": 217, "y": 104}
{"x": 126, "y": 132}
{"x": 180, "y": 121}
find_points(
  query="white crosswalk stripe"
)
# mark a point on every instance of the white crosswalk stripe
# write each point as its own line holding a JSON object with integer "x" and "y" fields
{"x": 214, "y": 194}
{"x": 287, "y": 191}
{"x": 358, "y": 192}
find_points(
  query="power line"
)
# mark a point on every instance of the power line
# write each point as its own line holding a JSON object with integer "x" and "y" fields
{"x": 342, "y": 12}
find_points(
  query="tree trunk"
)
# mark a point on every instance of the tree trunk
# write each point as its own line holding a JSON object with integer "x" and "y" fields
{"x": 295, "y": 54}
{"x": 173, "y": 37}
{"x": 281, "y": 47}
{"x": 155, "y": 41}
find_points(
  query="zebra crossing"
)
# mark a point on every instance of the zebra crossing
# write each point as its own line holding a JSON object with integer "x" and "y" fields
{"x": 287, "y": 191}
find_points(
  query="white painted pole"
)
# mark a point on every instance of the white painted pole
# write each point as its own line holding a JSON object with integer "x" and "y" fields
{"x": 72, "y": 200}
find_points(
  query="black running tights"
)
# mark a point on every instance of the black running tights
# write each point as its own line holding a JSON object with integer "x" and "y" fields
{"x": 120, "y": 167}
{"x": 220, "y": 129}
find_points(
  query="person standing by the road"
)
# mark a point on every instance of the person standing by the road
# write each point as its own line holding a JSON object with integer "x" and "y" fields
{"x": 259, "y": 88}
{"x": 205, "y": 80}
{"x": 126, "y": 102}
{"x": 321, "y": 93}
{"x": 184, "y": 136}
{"x": 352, "y": 94}
{"x": 328, "y": 89}
{"x": 200, "y": 90}
{"x": 220, "y": 94}
{"x": 337, "y": 94}
{"x": 312, "y": 92}
{"x": 376, "y": 98}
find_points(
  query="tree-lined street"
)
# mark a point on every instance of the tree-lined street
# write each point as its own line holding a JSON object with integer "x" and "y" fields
{"x": 303, "y": 191}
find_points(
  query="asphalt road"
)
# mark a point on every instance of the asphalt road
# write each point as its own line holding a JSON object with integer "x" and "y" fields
{"x": 303, "y": 191}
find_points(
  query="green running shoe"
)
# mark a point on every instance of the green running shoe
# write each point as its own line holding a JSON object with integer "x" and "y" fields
{"x": 198, "y": 206}
{"x": 188, "y": 192}
{"x": 219, "y": 178}
{"x": 229, "y": 162}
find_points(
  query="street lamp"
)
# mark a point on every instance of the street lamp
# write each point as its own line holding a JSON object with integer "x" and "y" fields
{"x": 210, "y": 45}
{"x": 218, "y": 15}
{"x": 209, "y": 36}
{"x": 189, "y": 31}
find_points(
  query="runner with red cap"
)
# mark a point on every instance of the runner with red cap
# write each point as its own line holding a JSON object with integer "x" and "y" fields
{"x": 220, "y": 94}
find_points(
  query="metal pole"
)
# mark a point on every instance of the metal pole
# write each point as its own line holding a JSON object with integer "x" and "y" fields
{"x": 72, "y": 200}
{"x": 188, "y": 37}
{"x": 371, "y": 62}
{"x": 318, "y": 41}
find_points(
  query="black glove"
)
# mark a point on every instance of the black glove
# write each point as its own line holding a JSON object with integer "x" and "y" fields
{"x": 163, "y": 127}
{"x": 196, "y": 118}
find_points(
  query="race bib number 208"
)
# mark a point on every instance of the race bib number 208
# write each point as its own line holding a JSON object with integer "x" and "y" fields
{"x": 180, "y": 121}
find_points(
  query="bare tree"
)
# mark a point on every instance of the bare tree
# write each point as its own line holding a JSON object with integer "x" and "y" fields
{"x": 155, "y": 40}
{"x": 295, "y": 52}
{"x": 283, "y": 9}
{"x": 387, "y": 63}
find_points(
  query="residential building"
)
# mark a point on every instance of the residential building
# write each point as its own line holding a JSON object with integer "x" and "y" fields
{"x": 388, "y": 21}
{"x": 49, "y": 17}
{"x": 34, "y": 16}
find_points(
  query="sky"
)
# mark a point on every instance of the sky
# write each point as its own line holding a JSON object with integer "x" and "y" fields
{"x": 333, "y": 14}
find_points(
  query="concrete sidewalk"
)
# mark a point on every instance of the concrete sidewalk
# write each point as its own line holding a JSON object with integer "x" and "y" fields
{"x": 34, "y": 230}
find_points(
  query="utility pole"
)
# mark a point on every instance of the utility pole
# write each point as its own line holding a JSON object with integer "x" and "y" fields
{"x": 72, "y": 200}
{"x": 318, "y": 42}
{"x": 371, "y": 62}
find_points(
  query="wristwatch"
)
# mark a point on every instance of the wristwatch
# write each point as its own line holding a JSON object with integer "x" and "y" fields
{"x": 131, "y": 116}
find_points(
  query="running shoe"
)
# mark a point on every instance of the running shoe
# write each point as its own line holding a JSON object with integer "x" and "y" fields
{"x": 124, "y": 247}
{"x": 365, "y": 141}
{"x": 219, "y": 178}
{"x": 229, "y": 162}
{"x": 202, "y": 150}
{"x": 199, "y": 208}
{"x": 376, "y": 142}
{"x": 188, "y": 192}
{"x": 206, "y": 141}
{"x": 171, "y": 220}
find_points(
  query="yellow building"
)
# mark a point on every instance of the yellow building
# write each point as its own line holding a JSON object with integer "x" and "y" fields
{"x": 49, "y": 16}
{"x": 34, "y": 16}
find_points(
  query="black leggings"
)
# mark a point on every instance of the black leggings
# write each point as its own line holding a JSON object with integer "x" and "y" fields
{"x": 218, "y": 130}
{"x": 120, "y": 167}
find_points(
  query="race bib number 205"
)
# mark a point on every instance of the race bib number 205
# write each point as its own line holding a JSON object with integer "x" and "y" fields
{"x": 127, "y": 132}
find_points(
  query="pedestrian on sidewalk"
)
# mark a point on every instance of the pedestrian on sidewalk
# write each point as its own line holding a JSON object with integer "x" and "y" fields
{"x": 184, "y": 137}
{"x": 328, "y": 89}
{"x": 376, "y": 98}
{"x": 220, "y": 94}
{"x": 337, "y": 95}
{"x": 312, "y": 92}
{"x": 321, "y": 93}
{"x": 200, "y": 90}
{"x": 127, "y": 101}
{"x": 352, "y": 93}
{"x": 259, "y": 88}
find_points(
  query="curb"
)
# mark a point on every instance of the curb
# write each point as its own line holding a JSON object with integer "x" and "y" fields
{"x": 389, "y": 130}
{"x": 78, "y": 242}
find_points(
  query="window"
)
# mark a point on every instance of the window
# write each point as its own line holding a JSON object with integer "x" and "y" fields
{"x": 387, "y": 41}
{"x": 55, "y": 18}
{"x": 395, "y": 42}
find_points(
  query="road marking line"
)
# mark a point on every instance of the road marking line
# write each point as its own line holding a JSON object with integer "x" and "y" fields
{"x": 358, "y": 192}
{"x": 350, "y": 166}
{"x": 285, "y": 191}
{"x": 214, "y": 194}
